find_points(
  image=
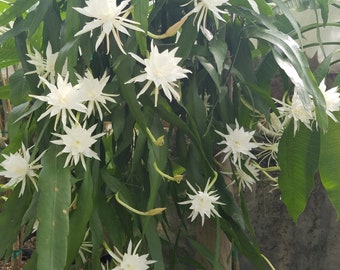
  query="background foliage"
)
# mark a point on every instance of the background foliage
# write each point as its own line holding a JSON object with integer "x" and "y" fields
{"x": 231, "y": 78}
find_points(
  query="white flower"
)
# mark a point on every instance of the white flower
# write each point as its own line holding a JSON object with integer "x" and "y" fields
{"x": 298, "y": 112}
{"x": 110, "y": 18}
{"x": 202, "y": 203}
{"x": 201, "y": 9}
{"x": 17, "y": 167}
{"x": 130, "y": 260}
{"x": 77, "y": 142}
{"x": 92, "y": 91}
{"x": 248, "y": 177}
{"x": 238, "y": 143}
{"x": 45, "y": 68}
{"x": 62, "y": 99}
{"x": 332, "y": 98}
{"x": 301, "y": 113}
{"x": 161, "y": 69}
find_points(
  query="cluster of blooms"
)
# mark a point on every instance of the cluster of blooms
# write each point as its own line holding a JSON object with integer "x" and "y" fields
{"x": 63, "y": 100}
{"x": 305, "y": 113}
{"x": 238, "y": 146}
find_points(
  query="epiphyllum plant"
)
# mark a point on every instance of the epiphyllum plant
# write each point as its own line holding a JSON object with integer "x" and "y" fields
{"x": 109, "y": 162}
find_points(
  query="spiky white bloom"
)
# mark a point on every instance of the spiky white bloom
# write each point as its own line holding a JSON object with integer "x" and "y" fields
{"x": 238, "y": 143}
{"x": 161, "y": 69}
{"x": 201, "y": 9}
{"x": 110, "y": 18}
{"x": 247, "y": 177}
{"x": 18, "y": 168}
{"x": 202, "y": 202}
{"x": 45, "y": 67}
{"x": 77, "y": 142}
{"x": 130, "y": 260}
{"x": 332, "y": 99}
{"x": 91, "y": 89}
{"x": 301, "y": 113}
{"x": 298, "y": 111}
{"x": 63, "y": 98}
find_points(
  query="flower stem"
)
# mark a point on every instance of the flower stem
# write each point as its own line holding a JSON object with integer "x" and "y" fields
{"x": 268, "y": 262}
{"x": 171, "y": 31}
{"x": 177, "y": 177}
{"x": 213, "y": 180}
{"x": 151, "y": 212}
{"x": 159, "y": 141}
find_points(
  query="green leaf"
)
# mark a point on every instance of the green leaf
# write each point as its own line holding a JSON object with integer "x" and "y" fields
{"x": 187, "y": 38}
{"x": 324, "y": 6}
{"x": 289, "y": 16}
{"x": 16, "y": 10}
{"x": 218, "y": 48}
{"x": 8, "y": 54}
{"x": 329, "y": 163}
{"x": 31, "y": 22}
{"x": 80, "y": 217}
{"x": 264, "y": 8}
{"x": 322, "y": 71}
{"x": 51, "y": 22}
{"x": 298, "y": 158}
{"x": 127, "y": 91}
{"x": 140, "y": 14}
{"x": 52, "y": 213}
{"x": 19, "y": 88}
{"x": 154, "y": 242}
{"x": 96, "y": 227}
{"x": 73, "y": 22}
{"x": 15, "y": 129}
{"x": 11, "y": 215}
{"x": 32, "y": 80}
{"x": 157, "y": 154}
{"x": 212, "y": 72}
{"x": 38, "y": 15}
{"x": 206, "y": 253}
{"x": 4, "y": 92}
{"x": 242, "y": 243}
